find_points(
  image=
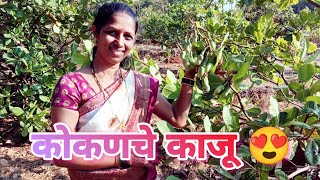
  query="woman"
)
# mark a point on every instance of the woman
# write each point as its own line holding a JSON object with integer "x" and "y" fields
{"x": 105, "y": 97}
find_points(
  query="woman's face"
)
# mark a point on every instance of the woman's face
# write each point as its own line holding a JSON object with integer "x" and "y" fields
{"x": 116, "y": 39}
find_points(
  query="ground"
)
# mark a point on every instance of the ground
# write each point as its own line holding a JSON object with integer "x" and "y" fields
{"x": 17, "y": 162}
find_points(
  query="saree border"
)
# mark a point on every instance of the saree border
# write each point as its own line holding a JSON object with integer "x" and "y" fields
{"x": 98, "y": 99}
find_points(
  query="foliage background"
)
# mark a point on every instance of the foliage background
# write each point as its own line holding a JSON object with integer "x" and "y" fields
{"x": 42, "y": 40}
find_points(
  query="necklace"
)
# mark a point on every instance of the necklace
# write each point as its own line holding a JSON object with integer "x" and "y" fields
{"x": 114, "y": 118}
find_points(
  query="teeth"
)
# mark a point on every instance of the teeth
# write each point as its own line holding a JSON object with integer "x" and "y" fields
{"x": 117, "y": 52}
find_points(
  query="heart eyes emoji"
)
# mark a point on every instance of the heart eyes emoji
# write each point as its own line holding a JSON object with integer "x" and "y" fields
{"x": 269, "y": 145}
{"x": 261, "y": 141}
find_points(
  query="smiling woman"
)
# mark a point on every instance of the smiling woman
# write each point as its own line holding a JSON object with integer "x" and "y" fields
{"x": 106, "y": 97}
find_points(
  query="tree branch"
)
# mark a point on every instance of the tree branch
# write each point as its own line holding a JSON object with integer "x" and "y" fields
{"x": 240, "y": 102}
{"x": 298, "y": 171}
{"x": 314, "y": 3}
{"x": 67, "y": 43}
{"x": 309, "y": 135}
{"x": 281, "y": 74}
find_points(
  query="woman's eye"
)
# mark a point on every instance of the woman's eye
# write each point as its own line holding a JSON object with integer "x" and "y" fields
{"x": 129, "y": 37}
{"x": 111, "y": 32}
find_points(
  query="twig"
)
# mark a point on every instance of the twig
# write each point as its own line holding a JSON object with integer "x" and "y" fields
{"x": 209, "y": 5}
{"x": 309, "y": 135}
{"x": 298, "y": 171}
{"x": 305, "y": 120}
{"x": 280, "y": 73}
{"x": 266, "y": 79}
{"x": 240, "y": 45}
{"x": 314, "y": 3}
{"x": 240, "y": 102}
{"x": 249, "y": 165}
{"x": 288, "y": 99}
{"x": 69, "y": 42}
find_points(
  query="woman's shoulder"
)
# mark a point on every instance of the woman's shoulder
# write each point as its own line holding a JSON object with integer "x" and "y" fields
{"x": 76, "y": 77}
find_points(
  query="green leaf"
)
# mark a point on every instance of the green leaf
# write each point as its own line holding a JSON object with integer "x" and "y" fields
{"x": 312, "y": 47}
{"x": 306, "y": 72}
{"x": 17, "y": 111}
{"x": 258, "y": 36}
{"x": 299, "y": 124}
{"x": 274, "y": 107}
{"x": 39, "y": 2}
{"x": 88, "y": 45}
{"x": 293, "y": 113}
{"x": 224, "y": 40}
{"x": 312, "y": 153}
{"x": 301, "y": 95}
{"x": 164, "y": 127}
{"x": 227, "y": 117}
{"x": 263, "y": 175}
{"x": 243, "y": 151}
{"x": 153, "y": 70}
{"x": 44, "y": 98}
{"x": 281, "y": 175}
{"x": 312, "y": 57}
{"x": 214, "y": 161}
{"x": 257, "y": 124}
{"x": 283, "y": 118}
{"x": 7, "y": 91}
{"x": 171, "y": 91}
{"x": 316, "y": 99}
{"x": 172, "y": 178}
{"x": 253, "y": 112}
{"x": 247, "y": 2}
{"x": 295, "y": 86}
{"x": 171, "y": 78}
{"x": 207, "y": 124}
{"x": 311, "y": 107}
{"x": 299, "y": 178}
{"x": 224, "y": 172}
{"x": 24, "y": 132}
{"x": 135, "y": 53}
{"x": 316, "y": 125}
{"x": 78, "y": 58}
{"x": 242, "y": 71}
{"x": 3, "y": 113}
{"x": 315, "y": 88}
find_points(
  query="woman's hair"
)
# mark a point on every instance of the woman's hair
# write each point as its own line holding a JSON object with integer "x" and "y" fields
{"x": 105, "y": 13}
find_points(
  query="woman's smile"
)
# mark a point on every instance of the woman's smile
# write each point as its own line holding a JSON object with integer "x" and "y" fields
{"x": 117, "y": 52}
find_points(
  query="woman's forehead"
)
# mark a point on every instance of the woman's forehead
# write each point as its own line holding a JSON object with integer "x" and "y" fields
{"x": 121, "y": 21}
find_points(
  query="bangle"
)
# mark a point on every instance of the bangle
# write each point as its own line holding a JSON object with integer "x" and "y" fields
{"x": 187, "y": 81}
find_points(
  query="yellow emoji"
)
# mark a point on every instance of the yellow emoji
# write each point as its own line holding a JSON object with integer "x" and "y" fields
{"x": 268, "y": 145}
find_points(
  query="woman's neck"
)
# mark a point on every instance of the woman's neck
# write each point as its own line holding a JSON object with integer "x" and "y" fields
{"x": 105, "y": 71}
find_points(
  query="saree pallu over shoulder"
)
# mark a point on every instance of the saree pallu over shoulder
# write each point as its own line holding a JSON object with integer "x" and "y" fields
{"x": 146, "y": 92}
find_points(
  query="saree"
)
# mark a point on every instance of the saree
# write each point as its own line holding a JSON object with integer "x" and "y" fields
{"x": 94, "y": 116}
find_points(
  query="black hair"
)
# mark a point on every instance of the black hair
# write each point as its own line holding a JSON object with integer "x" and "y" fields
{"x": 104, "y": 15}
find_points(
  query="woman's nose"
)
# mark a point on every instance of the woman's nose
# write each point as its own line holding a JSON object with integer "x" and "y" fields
{"x": 120, "y": 41}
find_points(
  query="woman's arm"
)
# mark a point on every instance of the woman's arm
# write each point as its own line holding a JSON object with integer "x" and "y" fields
{"x": 177, "y": 113}
{"x": 70, "y": 118}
